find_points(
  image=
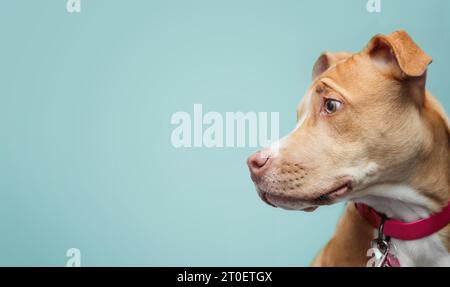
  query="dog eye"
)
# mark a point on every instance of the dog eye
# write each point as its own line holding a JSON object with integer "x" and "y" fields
{"x": 331, "y": 106}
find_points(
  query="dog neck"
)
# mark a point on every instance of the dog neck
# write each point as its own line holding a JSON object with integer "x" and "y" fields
{"x": 430, "y": 175}
{"x": 397, "y": 201}
{"x": 425, "y": 186}
{"x": 409, "y": 206}
{"x": 426, "y": 191}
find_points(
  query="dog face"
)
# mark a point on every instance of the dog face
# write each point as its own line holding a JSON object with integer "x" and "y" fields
{"x": 359, "y": 124}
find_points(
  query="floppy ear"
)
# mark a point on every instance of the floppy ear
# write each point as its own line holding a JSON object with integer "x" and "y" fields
{"x": 399, "y": 54}
{"x": 326, "y": 61}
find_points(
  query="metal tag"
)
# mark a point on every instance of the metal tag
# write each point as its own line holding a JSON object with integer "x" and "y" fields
{"x": 382, "y": 254}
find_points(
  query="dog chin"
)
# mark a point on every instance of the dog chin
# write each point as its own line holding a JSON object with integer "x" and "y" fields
{"x": 286, "y": 203}
{"x": 293, "y": 206}
{"x": 337, "y": 193}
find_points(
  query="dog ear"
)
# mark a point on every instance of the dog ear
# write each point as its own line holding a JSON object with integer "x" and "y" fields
{"x": 399, "y": 54}
{"x": 326, "y": 61}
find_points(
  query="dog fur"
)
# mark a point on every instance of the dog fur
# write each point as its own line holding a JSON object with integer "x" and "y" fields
{"x": 386, "y": 144}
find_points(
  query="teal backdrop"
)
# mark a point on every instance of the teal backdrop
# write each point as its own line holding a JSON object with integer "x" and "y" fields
{"x": 86, "y": 100}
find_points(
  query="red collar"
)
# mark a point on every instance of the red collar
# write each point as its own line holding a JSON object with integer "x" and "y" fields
{"x": 406, "y": 230}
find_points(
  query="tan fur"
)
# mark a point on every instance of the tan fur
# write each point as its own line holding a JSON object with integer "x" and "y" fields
{"x": 389, "y": 129}
{"x": 352, "y": 234}
{"x": 430, "y": 175}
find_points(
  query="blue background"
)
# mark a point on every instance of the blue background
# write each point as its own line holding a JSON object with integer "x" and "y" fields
{"x": 85, "y": 105}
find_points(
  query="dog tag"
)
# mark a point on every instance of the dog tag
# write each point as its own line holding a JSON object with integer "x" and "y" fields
{"x": 392, "y": 259}
{"x": 384, "y": 249}
{"x": 384, "y": 254}
{"x": 378, "y": 253}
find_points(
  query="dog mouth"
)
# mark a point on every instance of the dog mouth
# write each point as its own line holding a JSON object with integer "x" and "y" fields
{"x": 266, "y": 200}
{"x": 334, "y": 195}
{"x": 306, "y": 204}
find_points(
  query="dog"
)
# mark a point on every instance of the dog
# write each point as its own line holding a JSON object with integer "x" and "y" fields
{"x": 371, "y": 135}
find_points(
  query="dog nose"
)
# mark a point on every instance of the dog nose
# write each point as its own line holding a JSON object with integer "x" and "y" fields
{"x": 258, "y": 164}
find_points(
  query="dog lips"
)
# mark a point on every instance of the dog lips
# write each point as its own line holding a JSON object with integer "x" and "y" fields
{"x": 339, "y": 192}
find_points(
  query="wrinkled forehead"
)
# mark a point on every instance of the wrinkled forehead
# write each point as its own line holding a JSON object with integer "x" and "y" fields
{"x": 355, "y": 78}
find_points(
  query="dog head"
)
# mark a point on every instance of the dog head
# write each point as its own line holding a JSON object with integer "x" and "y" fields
{"x": 359, "y": 124}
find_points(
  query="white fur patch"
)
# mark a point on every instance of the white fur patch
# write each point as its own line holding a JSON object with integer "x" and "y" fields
{"x": 275, "y": 148}
{"x": 404, "y": 203}
{"x": 362, "y": 174}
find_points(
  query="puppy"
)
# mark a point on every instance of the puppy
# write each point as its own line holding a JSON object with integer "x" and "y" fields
{"x": 368, "y": 133}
